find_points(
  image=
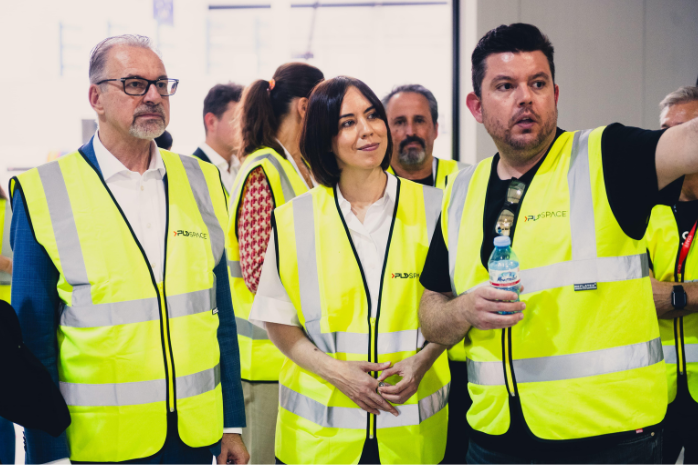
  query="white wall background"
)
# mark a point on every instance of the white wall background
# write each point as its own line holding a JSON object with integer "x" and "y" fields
{"x": 614, "y": 59}
{"x": 42, "y": 104}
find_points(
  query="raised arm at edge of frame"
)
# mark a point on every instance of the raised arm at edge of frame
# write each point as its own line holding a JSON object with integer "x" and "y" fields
{"x": 677, "y": 153}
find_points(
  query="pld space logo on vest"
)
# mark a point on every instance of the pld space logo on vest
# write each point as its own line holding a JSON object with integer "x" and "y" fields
{"x": 181, "y": 233}
{"x": 544, "y": 215}
{"x": 405, "y": 275}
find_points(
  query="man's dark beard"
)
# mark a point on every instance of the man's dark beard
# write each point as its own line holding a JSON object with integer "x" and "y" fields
{"x": 518, "y": 149}
{"x": 412, "y": 157}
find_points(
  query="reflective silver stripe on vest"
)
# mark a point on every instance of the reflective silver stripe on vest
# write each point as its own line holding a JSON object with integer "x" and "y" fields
{"x": 597, "y": 270}
{"x": 191, "y": 303}
{"x": 582, "y": 224}
{"x": 459, "y": 192}
{"x": 690, "y": 353}
{"x": 432, "y": 208}
{"x": 137, "y": 393}
{"x": 286, "y": 186}
{"x": 247, "y": 329}
{"x": 199, "y": 187}
{"x": 110, "y": 314}
{"x": 355, "y": 418}
{"x": 137, "y": 311}
{"x": 414, "y": 414}
{"x": 235, "y": 269}
{"x": 6, "y": 278}
{"x": 198, "y": 383}
{"x": 66, "y": 233}
{"x": 309, "y": 283}
{"x": 399, "y": 341}
{"x": 571, "y": 366}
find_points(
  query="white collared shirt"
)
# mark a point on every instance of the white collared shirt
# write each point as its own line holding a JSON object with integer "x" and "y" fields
{"x": 370, "y": 238}
{"x": 228, "y": 172}
{"x": 295, "y": 167}
{"x": 141, "y": 198}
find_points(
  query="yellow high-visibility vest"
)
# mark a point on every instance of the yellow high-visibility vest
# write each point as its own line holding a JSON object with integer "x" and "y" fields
{"x": 131, "y": 349}
{"x": 445, "y": 168}
{"x": 324, "y": 279}
{"x": 260, "y": 360}
{"x": 5, "y": 249}
{"x": 680, "y": 353}
{"x": 586, "y": 360}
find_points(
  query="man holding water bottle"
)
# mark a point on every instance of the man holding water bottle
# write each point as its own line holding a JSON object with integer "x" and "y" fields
{"x": 576, "y": 373}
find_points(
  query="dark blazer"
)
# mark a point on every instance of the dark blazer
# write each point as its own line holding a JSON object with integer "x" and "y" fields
{"x": 35, "y": 298}
{"x": 201, "y": 155}
{"x": 28, "y": 396}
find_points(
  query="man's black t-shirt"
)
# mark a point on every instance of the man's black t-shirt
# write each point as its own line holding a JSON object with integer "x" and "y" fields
{"x": 686, "y": 214}
{"x": 428, "y": 181}
{"x": 630, "y": 176}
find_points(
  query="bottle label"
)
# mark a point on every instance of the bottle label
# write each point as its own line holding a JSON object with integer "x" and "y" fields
{"x": 505, "y": 278}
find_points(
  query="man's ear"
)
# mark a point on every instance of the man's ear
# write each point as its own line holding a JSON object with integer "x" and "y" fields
{"x": 436, "y": 131}
{"x": 210, "y": 121}
{"x": 557, "y": 93}
{"x": 475, "y": 106}
{"x": 95, "y": 97}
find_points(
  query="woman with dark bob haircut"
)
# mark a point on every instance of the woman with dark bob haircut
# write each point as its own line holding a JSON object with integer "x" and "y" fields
{"x": 341, "y": 300}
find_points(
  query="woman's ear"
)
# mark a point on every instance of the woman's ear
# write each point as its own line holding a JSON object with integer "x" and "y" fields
{"x": 302, "y": 107}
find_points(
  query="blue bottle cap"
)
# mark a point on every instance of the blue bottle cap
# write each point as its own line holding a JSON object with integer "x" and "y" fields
{"x": 502, "y": 241}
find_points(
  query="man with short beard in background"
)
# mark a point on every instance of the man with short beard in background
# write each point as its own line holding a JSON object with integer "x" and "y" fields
{"x": 121, "y": 284}
{"x": 413, "y": 117}
{"x": 413, "y": 114}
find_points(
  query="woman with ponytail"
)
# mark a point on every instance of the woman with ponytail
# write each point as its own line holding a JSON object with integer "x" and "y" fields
{"x": 273, "y": 172}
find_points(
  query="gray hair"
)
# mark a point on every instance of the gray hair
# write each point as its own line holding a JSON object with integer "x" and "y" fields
{"x": 98, "y": 56}
{"x": 684, "y": 94}
{"x": 417, "y": 89}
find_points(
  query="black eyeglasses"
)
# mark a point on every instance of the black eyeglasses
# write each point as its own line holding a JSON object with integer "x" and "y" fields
{"x": 507, "y": 216}
{"x": 138, "y": 86}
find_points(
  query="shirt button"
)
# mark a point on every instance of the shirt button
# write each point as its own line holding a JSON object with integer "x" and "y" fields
{"x": 142, "y": 188}
{"x": 147, "y": 225}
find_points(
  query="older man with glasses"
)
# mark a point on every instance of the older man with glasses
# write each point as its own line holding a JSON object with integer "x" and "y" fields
{"x": 121, "y": 284}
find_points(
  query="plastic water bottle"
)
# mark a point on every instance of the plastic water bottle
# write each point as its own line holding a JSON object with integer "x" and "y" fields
{"x": 504, "y": 268}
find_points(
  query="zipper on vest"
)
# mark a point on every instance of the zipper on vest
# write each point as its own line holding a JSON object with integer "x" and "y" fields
{"x": 508, "y": 366}
{"x": 678, "y": 326}
{"x": 169, "y": 356}
{"x": 372, "y": 350}
{"x": 164, "y": 322}
{"x": 372, "y": 322}
{"x": 678, "y": 322}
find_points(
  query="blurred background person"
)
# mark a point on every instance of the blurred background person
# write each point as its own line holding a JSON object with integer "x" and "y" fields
{"x": 7, "y": 441}
{"x": 340, "y": 295}
{"x": 272, "y": 173}
{"x": 7, "y": 431}
{"x": 5, "y": 249}
{"x": 164, "y": 141}
{"x": 220, "y": 147}
{"x": 413, "y": 114}
{"x": 674, "y": 260}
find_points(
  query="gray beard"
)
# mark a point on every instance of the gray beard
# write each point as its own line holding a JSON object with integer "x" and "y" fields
{"x": 147, "y": 130}
{"x": 412, "y": 157}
